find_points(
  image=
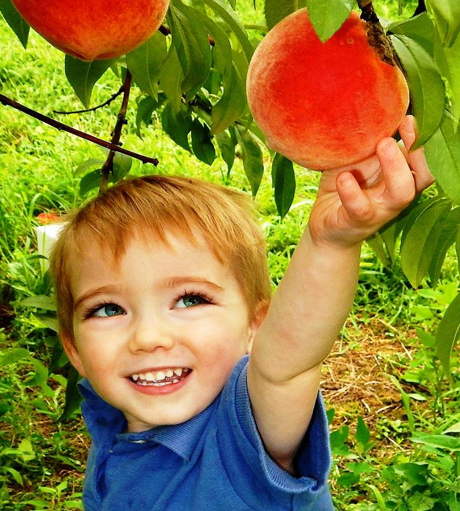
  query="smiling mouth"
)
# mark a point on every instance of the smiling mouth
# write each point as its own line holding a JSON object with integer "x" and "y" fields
{"x": 160, "y": 378}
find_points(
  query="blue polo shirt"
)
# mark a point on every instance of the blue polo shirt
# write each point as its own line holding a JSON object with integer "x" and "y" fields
{"x": 215, "y": 461}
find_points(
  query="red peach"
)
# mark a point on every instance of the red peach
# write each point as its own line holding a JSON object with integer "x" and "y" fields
{"x": 324, "y": 105}
{"x": 47, "y": 217}
{"x": 94, "y": 29}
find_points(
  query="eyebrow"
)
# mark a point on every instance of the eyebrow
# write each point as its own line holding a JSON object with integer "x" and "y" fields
{"x": 182, "y": 281}
{"x": 92, "y": 293}
{"x": 166, "y": 284}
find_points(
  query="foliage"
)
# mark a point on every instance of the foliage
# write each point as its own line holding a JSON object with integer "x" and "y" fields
{"x": 190, "y": 85}
{"x": 193, "y": 79}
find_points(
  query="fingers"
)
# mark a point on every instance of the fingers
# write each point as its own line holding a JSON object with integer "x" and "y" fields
{"x": 399, "y": 181}
{"x": 416, "y": 159}
{"x": 354, "y": 201}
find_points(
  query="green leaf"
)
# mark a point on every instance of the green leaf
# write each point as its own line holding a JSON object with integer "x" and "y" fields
{"x": 90, "y": 181}
{"x": 383, "y": 242}
{"x": 426, "y": 86}
{"x": 448, "y": 235}
{"x": 232, "y": 104}
{"x": 227, "y": 145}
{"x": 419, "y": 28}
{"x": 26, "y": 450}
{"x": 83, "y": 76}
{"x": 446, "y": 442}
{"x": 448, "y": 334}
{"x": 377, "y": 244}
{"x": 145, "y": 109}
{"x": 363, "y": 434}
{"x": 252, "y": 158}
{"x": 84, "y": 166}
{"x": 235, "y": 25}
{"x": 191, "y": 41}
{"x": 448, "y": 62}
{"x": 202, "y": 146}
{"x": 40, "y": 302}
{"x": 446, "y": 15}
{"x": 16, "y": 475}
{"x": 40, "y": 376}
{"x": 50, "y": 322}
{"x": 122, "y": 164}
{"x": 420, "y": 239}
{"x": 455, "y": 428}
{"x": 442, "y": 153}
{"x": 284, "y": 183}
{"x": 275, "y": 11}
{"x": 222, "y": 48}
{"x": 348, "y": 479}
{"x": 328, "y": 17}
{"x": 177, "y": 125}
{"x": 145, "y": 63}
{"x": 13, "y": 356}
{"x": 171, "y": 77}
{"x": 15, "y": 21}
{"x": 414, "y": 472}
{"x": 73, "y": 397}
{"x": 338, "y": 439}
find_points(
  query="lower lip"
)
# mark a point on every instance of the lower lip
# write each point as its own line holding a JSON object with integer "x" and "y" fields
{"x": 152, "y": 390}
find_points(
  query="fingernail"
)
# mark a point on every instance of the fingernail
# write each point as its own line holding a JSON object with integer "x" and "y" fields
{"x": 408, "y": 124}
{"x": 390, "y": 148}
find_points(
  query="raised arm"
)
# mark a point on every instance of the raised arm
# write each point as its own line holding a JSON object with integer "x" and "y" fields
{"x": 317, "y": 291}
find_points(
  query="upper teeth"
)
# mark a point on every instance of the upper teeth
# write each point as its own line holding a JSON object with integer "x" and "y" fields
{"x": 159, "y": 375}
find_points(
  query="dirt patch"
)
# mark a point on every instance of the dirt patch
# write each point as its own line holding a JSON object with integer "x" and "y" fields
{"x": 6, "y": 316}
{"x": 357, "y": 374}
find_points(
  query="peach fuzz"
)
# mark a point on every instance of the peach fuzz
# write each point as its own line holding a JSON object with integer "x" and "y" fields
{"x": 94, "y": 29}
{"x": 324, "y": 105}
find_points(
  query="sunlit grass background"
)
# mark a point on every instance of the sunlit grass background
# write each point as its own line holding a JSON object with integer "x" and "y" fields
{"x": 381, "y": 381}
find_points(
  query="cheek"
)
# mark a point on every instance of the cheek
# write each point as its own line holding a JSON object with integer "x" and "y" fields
{"x": 94, "y": 352}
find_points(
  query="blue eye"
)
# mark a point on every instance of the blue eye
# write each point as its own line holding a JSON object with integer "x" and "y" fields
{"x": 108, "y": 310}
{"x": 191, "y": 300}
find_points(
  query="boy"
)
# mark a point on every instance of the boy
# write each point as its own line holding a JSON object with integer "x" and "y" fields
{"x": 163, "y": 290}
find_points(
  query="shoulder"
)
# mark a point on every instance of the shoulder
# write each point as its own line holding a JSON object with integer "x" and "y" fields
{"x": 248, "y": 464}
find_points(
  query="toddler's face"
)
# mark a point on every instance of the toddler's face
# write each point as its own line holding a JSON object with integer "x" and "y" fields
{"x": 158, "y": 336}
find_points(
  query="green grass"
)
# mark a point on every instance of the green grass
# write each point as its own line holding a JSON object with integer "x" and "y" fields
{"x": 42, "y": 459}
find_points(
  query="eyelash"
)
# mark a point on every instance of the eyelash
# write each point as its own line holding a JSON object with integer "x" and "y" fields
{"x": 88, "y": 313}
{"x": 200, "y": 294}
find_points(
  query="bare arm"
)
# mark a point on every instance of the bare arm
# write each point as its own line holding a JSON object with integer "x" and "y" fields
{"x": 316, "y": 293}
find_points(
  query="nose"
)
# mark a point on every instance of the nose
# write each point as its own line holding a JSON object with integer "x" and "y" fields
{"x": 150, "y": 334}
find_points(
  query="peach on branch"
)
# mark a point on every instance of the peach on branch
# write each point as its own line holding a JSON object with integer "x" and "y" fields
{"x": 94, "y": 29}
{"x": 324, "y": 105}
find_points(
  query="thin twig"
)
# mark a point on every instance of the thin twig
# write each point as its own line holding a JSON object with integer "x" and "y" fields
{"x": 63, "y": 127}
{"x": 107, "y": 168}
{"x": 94, "y": 108}
{"x": 164, "y": 30}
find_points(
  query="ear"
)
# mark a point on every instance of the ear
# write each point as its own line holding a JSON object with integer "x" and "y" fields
{"x": 71, "y": 350}
{"x": 257, "y": 320}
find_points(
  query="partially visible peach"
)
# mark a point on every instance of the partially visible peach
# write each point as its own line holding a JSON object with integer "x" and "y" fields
{"x": 47, "y": 217}
{"x": 324, "y": 105}
{"x": 94, "y": 29}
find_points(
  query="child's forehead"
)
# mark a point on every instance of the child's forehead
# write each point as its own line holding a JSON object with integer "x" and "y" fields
{"x": 176, "y": 242}
{"x": 150, "y": 264}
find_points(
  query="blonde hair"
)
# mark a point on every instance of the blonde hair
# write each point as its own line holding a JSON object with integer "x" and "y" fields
{"x": 151, "y": 207}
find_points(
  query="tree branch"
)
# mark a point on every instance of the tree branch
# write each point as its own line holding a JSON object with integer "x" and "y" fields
{"x": 4, "y": 100}
{"x": 107, "y": 168}
{"x": 112, "y": 98}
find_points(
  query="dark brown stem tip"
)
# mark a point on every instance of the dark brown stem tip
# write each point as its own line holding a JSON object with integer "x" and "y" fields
{"x": 376, "y": 36}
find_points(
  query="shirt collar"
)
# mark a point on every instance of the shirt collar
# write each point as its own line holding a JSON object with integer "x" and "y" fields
{"x": 106, "y": 425}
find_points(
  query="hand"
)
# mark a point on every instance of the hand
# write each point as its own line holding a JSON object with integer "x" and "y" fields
{"x": 355, "y": 201}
